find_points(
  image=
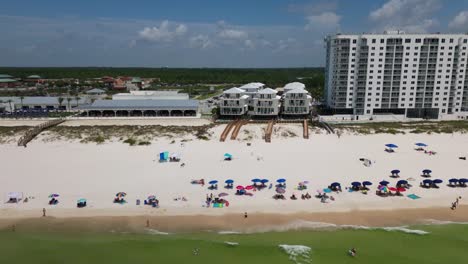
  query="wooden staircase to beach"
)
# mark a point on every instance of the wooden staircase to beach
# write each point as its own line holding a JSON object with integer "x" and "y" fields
{"x": 269, "y": 131}
{"x": 306, "y": 129}
{"x": 32, "y": 133}
{"x": 227, "y": 129}
{"x": 237, "y": 128}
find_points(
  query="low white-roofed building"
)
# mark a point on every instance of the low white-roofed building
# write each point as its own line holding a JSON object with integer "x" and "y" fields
{"x": 233, "y": 102}
{"x": 293, "y": 86}
{"x": 151, "y": 95}
{"x": 265, "y": 103}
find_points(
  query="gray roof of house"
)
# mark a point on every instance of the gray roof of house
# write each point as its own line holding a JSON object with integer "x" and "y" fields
{"x": 41, "y": 100}
{"x": 95, "y": 91}
{"x": 141, "y": 104}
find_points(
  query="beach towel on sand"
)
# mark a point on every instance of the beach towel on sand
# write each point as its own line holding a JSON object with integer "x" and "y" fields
{"x": 413, "y": 196}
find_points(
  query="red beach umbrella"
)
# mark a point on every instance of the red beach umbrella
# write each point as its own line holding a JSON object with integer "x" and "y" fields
{"x": 401, "y": 189}
{"x": 393, "y": 189}
{"x": 250, "y": 187}
{"x": 240, "y": 187}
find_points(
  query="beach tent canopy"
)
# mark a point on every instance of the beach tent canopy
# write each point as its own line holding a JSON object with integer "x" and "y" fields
{"x": 421, "y": 144}
{"x": 264, "y": 181}
{"x": 384, "y": 183}
{"x": 366, "y": 183}
{"x": 400, "y": 182}
{"x": 437, "y": 181}
{"x": 15, "y": 195}
{"x": 427, "y": 181}
{"x": 213, "y": 182}
{"x": 227, "y": 155}
{"x": 395, "y": 171}
{"x": 175, "y": 155}
{"x": 152, "y": 197}
{"x": 391, "y": 145}
{"x": 229, "y": 181}
{"x": 81, "y": 200}
{"x": 327, "y": 190}
{"x": 356, "y": 184}
{"x": 163, "y": 155}
{"x": 281, "y": 180}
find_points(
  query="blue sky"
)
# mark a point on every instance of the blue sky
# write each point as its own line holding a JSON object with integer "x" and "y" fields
{"x": 203, "y": 33}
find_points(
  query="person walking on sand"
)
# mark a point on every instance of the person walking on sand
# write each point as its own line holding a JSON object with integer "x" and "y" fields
{"x": 43, "y": 212}
{"x": 245, "y": 215}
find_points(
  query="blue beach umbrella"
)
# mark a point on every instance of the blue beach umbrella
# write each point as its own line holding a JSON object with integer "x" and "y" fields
{"x": 437, "y": 181}
{"x": 81, "y": 200}
{"x": 281, "y": 180}
{"x": 366, "y": 183}
{"x": 384, "y": 183}
{"x": 327, "y": 190}
{"x": 256, "y": 180}
{"x": 421, "y": 144}
{"x": 463, "y": 180}
{"x": 391, "y": 145}
{"x": 356, "y": 184}
{"x": 227, "y": 155}
{"x": 395, "y": 171}
{"x": 427, "y": 181}
{"x": 453, "y": 180}
{"x": 264, "y": 181}
{"x": 229, "y": 181}
{"x": 400, "y": 182}
{"x": 335, "y": 184}
{"x": 213, "y": 182}
{"x": 426, "y": 171}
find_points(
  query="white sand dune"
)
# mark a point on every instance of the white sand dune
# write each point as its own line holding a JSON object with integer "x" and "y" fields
{"x": 98, "y": 172}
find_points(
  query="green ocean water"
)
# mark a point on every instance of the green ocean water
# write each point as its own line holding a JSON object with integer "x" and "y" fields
{"x": 436, "y": 244}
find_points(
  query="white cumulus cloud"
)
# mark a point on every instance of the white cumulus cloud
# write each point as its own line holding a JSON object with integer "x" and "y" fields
{"x": 414, "y": 16}
{"x": 166, "y": 32}
{"x": 460, "y": 21}
{"x": 326, "y": 20}
{"x": 201, "y": 41}
{"x": 232, "y": 34}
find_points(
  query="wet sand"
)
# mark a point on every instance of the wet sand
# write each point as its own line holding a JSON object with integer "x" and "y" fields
{"x": 256, "y": 222}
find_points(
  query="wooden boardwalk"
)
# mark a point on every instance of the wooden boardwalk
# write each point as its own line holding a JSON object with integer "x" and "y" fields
{"x": 306, "y": 129}
{"x": 237, "y": 128}
{"x": 269, "y": 131}
{"x": 227, "y": 129}
{"x": 32, "y": 133}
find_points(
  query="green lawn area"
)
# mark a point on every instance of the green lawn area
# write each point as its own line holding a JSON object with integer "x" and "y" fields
{"x": 444, "y": 244}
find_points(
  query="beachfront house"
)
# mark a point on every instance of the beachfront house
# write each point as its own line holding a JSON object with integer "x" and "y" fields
{"x": 265, "y": 103}
{"x": 296, "y": 100}
{"x": 233, "y": 102}
{"x": 251, "y": 90}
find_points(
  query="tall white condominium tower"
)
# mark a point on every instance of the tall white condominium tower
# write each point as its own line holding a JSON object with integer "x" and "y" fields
{"x": 419, "y": 75}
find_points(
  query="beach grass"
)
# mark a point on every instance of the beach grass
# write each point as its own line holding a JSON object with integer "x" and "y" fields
{"x": 443, "y": 244}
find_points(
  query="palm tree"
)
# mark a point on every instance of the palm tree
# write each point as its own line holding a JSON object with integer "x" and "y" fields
{"x": 77, "y": 99}
{"x": 60, "y": 101}
{"x": 69, "y": 99}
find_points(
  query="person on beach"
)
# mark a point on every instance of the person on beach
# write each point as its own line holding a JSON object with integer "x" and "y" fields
{"x": 43, "y": 212}
{"x": 352, "y": 252}
{"x": 245, "y": 215}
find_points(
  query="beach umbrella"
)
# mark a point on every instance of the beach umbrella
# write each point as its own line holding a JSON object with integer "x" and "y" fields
{"x": 151, "y": 197}
{"x": 213, "y": 182}
{"x": 222, "y": 194}
{"x": 395, "y": 171}
{"x": 356, "y": 184}
{"x": 421, "y": 145}
{"x": 240, "y": 187}
{"x": 366, "y": 183}
{"x": 426, "y": 171}
{"x": 280, "y": 190}
{"x": 391, "y": 145}
{"x": 281, "y": 180}
{"x": 393, "y": 189}
{"x": 227, "y": 155}
{"x": 463, "y": 180}
{"x": 401, "y": 182}
{"x": 383, "y": 188}
{"x": 437, "y": 181}
{"x": 264, "y": 181}
{"x": 327, "y": 190}
{"x": 384, "y": 183}
{"x": 81, "y": 200}
{"x": 229, "y": 181}
{"x": 121, "y": 194}
{"x": 249, "y": 187}
{"x": 256, "y": 180}
{"x": 401, "y": 189}
{"x": 427, "y": 181}
{"x": 54, "y": 195}
{"x": 335, "y": 184}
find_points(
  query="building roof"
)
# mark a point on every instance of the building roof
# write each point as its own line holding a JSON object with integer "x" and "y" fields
{"x": 141, "y": 105}
{"x": 41, "y": 100}
{"x": 267, "y": 91}
{"x": 95, "y": 91}
{"x": 297, "y": 91}
{"x": 136, "y": 80}
{"x": 252, "y": 85}
{"x": 234, "y": 90}
{"x": 33, "y": 77}
{"x": 7, "y": 80}
{"x": 3, "y": 76}
{"x": 294, "y": 85}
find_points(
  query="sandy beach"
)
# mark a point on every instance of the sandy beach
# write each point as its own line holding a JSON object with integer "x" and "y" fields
{"x": 98, "y": 171}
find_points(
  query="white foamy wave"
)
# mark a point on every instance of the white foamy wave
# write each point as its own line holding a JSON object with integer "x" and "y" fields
{"x": 229, "y": 243}
{"x": 442, "y": 222}
{"x": 294, "y": 225}
{"x": 297, "y": 253}
{"x": 406, "y": 230}
{"x": 156, "y": 232}
{"x": 229, "y": 232}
